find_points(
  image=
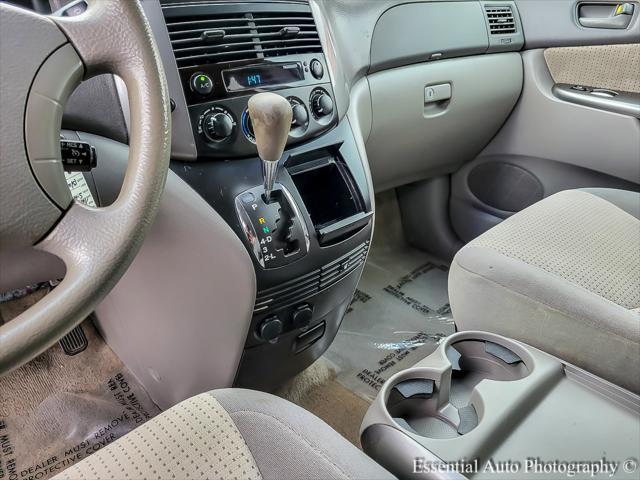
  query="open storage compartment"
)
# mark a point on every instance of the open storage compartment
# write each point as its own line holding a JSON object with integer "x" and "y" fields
{"x": 330, "y": 195}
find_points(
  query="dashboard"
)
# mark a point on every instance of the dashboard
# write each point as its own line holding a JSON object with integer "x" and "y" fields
{"x": 308, "y": 247}
{"x": 228, "y": 53}
{"x": 336, "y": 65}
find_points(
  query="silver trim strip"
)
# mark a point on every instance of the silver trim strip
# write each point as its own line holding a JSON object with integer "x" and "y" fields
{"x": 624, "y": 103}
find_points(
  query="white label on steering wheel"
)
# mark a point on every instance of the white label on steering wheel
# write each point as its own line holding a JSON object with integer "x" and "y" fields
{"x": 79, "y": 188}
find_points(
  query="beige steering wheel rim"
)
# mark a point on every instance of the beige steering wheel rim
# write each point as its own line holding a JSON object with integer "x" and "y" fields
{"x": 98, "y": 244}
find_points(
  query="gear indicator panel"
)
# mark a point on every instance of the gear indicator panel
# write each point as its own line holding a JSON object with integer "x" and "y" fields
{"x": 275, "y": 229}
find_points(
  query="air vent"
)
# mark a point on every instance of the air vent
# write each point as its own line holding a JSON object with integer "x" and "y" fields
{"x": 286, "y": 33}
{"x": 215, "y": 38}
{"x": 299, "y": 289}
{"x": 500, "y": 19}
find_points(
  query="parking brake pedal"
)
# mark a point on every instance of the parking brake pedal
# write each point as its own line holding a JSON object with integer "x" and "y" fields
{"x": 74, "y": 342}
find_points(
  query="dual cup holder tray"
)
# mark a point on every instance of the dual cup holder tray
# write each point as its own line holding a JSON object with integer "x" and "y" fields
{"x": 482, "y": 397}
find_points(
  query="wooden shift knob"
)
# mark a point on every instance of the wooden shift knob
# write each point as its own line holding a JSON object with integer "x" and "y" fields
{"x": 271, "y": 119}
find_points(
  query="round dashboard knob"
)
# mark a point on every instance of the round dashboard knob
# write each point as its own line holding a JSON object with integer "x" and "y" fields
{"x": 316, "y": 69}
{"x": 217, "y": 126}
{"x": 201, "y": 83}
{"x": 322, "y": 105}
{"x": 300, "y": 116}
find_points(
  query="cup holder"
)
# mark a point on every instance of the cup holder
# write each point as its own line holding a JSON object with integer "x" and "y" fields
{"x": 438, "y": 405}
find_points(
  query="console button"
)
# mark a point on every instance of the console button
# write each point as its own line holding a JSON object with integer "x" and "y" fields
{"x": 201, "y": 83}
{"x": 270, "y": 328}
{"x": 316, "y": 69}
{"x": 248, "y": 197}
{"x": 301, "y": 316}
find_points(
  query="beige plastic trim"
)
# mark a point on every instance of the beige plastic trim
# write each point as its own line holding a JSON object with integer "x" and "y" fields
{"x": 586, "y": 414}
{"x": 411, "y": 140}
{"x": 179, "y": 317}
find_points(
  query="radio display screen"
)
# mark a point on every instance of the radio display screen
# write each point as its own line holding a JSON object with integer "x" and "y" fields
{"x": 261, "y": 76}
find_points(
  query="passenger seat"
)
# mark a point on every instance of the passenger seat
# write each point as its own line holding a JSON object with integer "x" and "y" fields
{"x": 562, "y": 275}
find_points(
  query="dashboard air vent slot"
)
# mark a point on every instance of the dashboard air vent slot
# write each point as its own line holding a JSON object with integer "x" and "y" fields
{"x": 500, "y": 19}
{"x": 299, "y": 289}
{"x": 197, "y": 40}
{"x": 286, "y": 33}
{"x": 229, "y": 37}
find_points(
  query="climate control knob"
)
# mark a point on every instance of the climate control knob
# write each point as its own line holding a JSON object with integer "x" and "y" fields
{"x": 217, "y": 126}
{"x": 300, "y": 117}
{"x": 321, "y": 104}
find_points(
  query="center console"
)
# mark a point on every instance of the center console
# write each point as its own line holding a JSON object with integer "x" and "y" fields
{"x": 484, "y": 406}
{"x": 308, "y": 238}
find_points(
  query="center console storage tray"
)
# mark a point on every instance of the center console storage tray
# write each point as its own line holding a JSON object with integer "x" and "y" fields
{"x": 483, "y": 398}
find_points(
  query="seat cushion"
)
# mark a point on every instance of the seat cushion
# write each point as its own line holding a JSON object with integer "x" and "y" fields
{"x": 230, "y": 433}
{"x": 562, "y": 275}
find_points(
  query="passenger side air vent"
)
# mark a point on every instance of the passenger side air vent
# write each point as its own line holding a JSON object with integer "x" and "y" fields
{"x": 229, "y": 37}
{"x": 500, "y": 19}
{"x": 299, "y": 289}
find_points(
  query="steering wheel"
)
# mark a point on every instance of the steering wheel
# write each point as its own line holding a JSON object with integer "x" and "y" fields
{"x": 43, "y": 59}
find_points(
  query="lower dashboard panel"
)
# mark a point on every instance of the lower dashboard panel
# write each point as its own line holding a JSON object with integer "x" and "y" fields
{"x": 265, "y": 366}
{"x": 302, "y": 297}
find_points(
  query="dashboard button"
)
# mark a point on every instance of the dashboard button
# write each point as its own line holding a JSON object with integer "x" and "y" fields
{"x": 201, "y": 83}
{"x": 316, "y": 69}
{"x": 270, "y": 328}
{"x": 248, "y": 197}
{"x": 301, "y": 316}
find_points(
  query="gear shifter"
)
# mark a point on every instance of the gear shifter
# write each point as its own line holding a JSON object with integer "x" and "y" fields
{"x": 271, "y": 119}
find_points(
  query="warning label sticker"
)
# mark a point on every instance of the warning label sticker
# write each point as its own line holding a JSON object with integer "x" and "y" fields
{"x": 44, "y": 444}
{"x": 390, "y": 325}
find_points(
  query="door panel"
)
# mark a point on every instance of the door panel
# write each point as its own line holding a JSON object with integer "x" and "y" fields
{"x": 547, "y": 145}
{"x": 554, "y": 23}
{"x": 552, "y": 141}
{"x": 544, "y": 126}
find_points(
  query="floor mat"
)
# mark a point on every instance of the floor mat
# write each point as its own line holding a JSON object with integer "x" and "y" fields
{"x": 58, "y": 409}
{"x": 317, "y": 390}
{"x": 400, "y": 312}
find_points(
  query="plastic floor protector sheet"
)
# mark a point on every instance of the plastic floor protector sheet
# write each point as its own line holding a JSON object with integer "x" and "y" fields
{"x": 59, "y": 409}
{"x": 399, "y": 315}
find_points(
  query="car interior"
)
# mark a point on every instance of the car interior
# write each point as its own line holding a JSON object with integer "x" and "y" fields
{"x": 319, "y": 239}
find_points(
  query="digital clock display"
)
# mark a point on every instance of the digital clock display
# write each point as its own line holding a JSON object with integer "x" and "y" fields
{"x": 262, "y": 76}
